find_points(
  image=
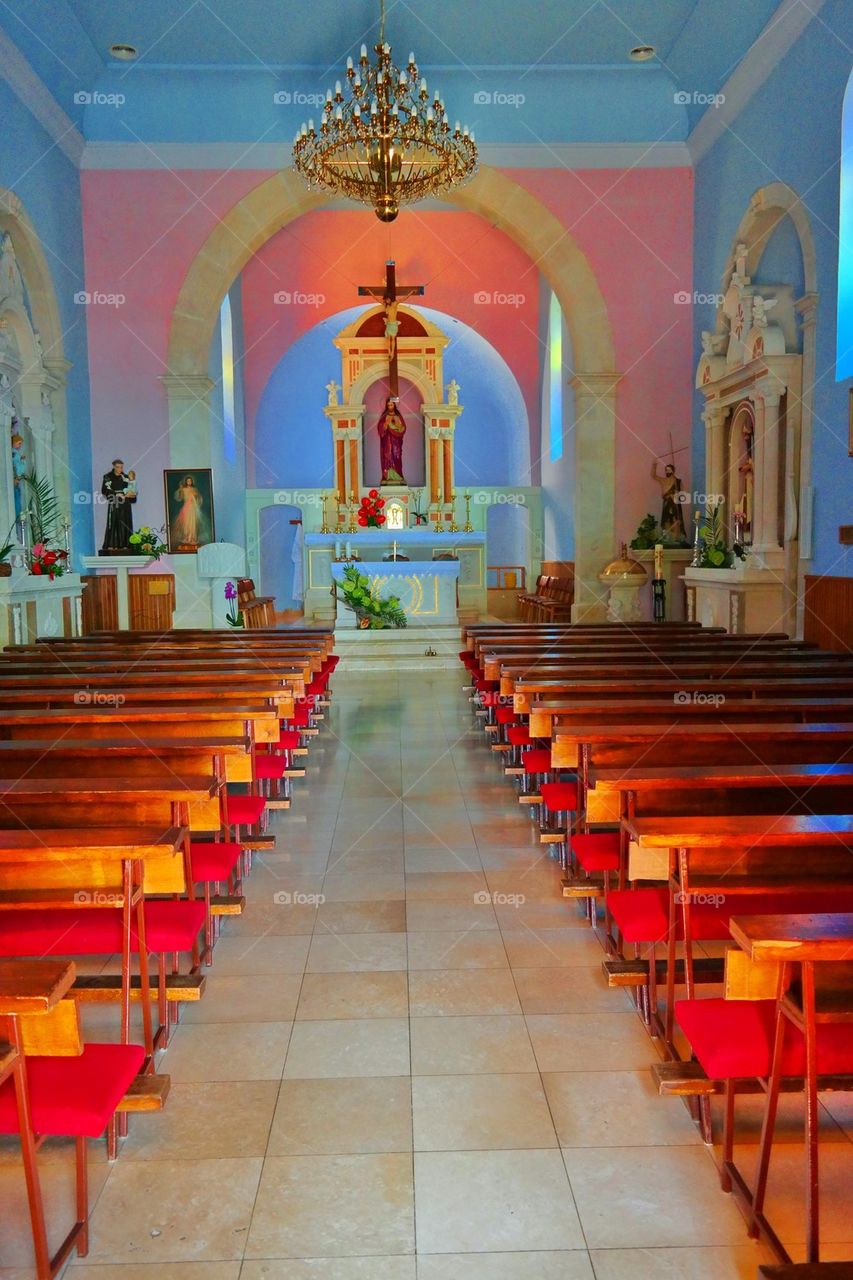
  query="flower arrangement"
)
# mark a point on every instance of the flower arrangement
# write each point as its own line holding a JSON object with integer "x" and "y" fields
{"x": 146, "y": 541}
{"x": 371, "y": 613}
{"x": 370, "y": 514}
{"x": 713, "y": 553}
{"x": 234, "y": 616}
{"x": 47, "y": 563}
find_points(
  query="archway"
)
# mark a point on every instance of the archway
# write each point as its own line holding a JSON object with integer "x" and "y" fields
{"x": 493, "y": 195}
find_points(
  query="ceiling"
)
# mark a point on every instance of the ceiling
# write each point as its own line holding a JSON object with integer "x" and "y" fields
{"x": 698, "y": 42}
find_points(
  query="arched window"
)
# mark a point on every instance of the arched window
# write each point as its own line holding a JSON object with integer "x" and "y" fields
{"x": 844, "y": 352}
{"x": 555, "y": 380}
{"x": 229, "y": 406}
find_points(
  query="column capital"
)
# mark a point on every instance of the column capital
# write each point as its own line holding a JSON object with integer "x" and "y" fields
{"x": 807, "y": 307}
{"x": 187, "y": 386}
{"x": 596, "y": 386}
{"x": 714, "y": 415}
{"x": 770, "y": 389}
{"x": 57, "y": 368}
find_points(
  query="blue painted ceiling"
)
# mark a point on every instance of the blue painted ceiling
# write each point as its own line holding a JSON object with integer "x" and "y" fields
{"x": 699, "y": 42}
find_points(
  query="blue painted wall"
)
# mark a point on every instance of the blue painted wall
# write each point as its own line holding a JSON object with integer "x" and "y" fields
{"x": 48, "y": 185}
{"x": 791, "y": 132}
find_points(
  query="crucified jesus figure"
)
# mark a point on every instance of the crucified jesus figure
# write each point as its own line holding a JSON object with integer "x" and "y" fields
{"x": 392, "y": 326}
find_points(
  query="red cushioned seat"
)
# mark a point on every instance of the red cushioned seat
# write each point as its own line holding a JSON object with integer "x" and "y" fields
{"x": 74, "y": 1097}
{"x": 213, "y": 859}
{"x": 734, "y": 1038}
{"x": 598, "y": 851}
{"x": 246, "y": 811}
{"x": 559, "y": 797}
{"x": 505, "y": 715}
{"x": 466, "y": 657}
{"x": 301, "y": 716}
{"x": 488, "y": 686}
{"x": 170, "y": 925}
{"x": 642, "y": 915}
{"x": 289, "y": 739}
{"x": 269, "y": 767}
{"x": 537, "y": 760}
{"x": 519, "y": 735}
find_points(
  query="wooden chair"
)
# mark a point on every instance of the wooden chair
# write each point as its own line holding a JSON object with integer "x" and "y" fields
{"x": 257, "y": 611}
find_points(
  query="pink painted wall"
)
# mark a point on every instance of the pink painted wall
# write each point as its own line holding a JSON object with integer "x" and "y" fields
{"x": 143, "y": 228}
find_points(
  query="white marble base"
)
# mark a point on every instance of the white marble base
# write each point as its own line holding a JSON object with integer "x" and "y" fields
{"x": 747, "y": 599}
{"x": 426, "y": 589}
{"x": 32, "y": 607}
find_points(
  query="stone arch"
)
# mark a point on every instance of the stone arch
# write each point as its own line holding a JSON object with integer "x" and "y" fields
{"x": 283, "y": 197}
{"x": 35, "y": 272}
{"x": 768, "y": 206}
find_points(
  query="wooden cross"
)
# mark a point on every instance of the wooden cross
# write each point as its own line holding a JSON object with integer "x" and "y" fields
{"x": 673, "y": 451}
{"x": 391, "y": 292}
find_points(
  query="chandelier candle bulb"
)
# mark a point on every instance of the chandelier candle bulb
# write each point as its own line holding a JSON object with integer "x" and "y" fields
{"x": 349, "y": 64}
{"x": 363, "y": 54}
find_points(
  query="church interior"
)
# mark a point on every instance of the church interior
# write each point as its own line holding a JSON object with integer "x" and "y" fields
{"x": 426, "y": 640}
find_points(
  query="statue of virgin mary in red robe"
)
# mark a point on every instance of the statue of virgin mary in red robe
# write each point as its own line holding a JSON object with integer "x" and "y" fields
{"x": 391, "y": 427}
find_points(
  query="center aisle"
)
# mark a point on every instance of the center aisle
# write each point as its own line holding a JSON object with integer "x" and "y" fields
{"x": 406, "y": 979}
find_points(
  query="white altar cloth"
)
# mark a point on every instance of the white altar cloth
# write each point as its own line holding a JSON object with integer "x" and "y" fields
{"x": 426, "y": 589}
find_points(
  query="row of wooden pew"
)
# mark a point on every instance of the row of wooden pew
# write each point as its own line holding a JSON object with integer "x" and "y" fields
{"x": 137, "y": 773}
{"x": 697, "y": 788}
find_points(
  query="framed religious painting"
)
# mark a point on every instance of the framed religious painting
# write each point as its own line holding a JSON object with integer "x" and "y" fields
{"x": 189, "y": 509}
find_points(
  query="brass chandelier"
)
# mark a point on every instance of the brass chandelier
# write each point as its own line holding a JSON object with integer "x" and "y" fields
{"x": 385, "y": 141}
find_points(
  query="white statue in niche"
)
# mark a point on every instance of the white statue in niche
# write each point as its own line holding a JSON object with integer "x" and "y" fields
{"x": 395, "y": 516}
{"x": 453, "y": 389}
{"x": 760, "y": 307}
{"x": 333, "y": 388}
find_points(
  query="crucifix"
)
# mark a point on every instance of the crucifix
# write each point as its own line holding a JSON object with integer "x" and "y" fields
{"x": 392, "y": 295}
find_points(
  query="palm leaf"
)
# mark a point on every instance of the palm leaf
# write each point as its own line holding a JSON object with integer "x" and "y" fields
{"x": 44, "y": 509}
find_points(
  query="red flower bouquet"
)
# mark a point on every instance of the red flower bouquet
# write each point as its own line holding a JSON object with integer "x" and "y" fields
{"x": 47, "y": 563}
{"x": 370, "y": 514}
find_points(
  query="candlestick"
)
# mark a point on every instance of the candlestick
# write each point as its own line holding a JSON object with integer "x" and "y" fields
{"x": 352, "y": 527}
{"x": 696, "y": 562}
{"x": 439, "y": 527}
{"x": 324, "y": 527}
{"x": 453, "y": 527}
{"x": 467, "y": 527}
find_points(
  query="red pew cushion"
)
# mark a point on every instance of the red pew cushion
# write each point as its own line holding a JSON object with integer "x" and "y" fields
{"x": 246, "y": 811}
{"x": 272, "y": 766}
{"x": 213, "y": 859}
{"x": 71, "y": 1097}
{"x": 505, "y": 715}
{"x": 734, "y": 1038}
{"x": 519, "y": 735}
{"x": 537, "y": 760}
{"x": 169, "y": 926}
{"x": 597, "y": 851}
{"x": 559, "y": 797}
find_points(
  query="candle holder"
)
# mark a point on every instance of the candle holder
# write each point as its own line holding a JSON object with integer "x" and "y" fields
{"x": 467, "y": 527}
{"x": 696, "y": 562}
{"x": 439, "y": 527}
{"x": 352, "y": 527}
{"x": 324, "y": 527}
{"x": 66, "y": 535}
{"x": 453, "y": 527}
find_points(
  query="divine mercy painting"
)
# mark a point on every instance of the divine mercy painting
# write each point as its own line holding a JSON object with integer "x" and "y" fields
{"x": 189, "y": 509}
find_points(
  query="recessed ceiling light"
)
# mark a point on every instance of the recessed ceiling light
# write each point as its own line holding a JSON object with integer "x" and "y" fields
{"x": 125, "y": 52}
{"x": 642, "y": 53}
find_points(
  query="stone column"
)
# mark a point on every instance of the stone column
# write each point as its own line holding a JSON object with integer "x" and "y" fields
{"x": 346, "y": 423}
{"x": 595, "y": 489}
{"x": 768, "y": 395}
{"x": 714, "y": 418}
{"x": 188, "y": 398}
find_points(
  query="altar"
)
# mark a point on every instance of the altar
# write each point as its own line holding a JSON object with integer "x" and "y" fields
{"x": 425, "y": 588}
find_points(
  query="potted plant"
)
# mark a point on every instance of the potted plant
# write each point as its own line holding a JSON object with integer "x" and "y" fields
{"x": 233, "y": 616}
{"x": 713, "y": 549}
{"x": 146, "y": 541}
{"x": 372, "y": 613}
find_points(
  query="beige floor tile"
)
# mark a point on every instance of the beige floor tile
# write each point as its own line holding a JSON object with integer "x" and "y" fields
{"x": 494, "y": 1201}
{"x": 363, "y": 887}
{"x": 785, "y": 1206}
{"x": 480, "y": 1113}
{"x": 462, "y": 991}
{"x": 540, "y": 916}
{"x": 332, "y": 1206}
{"x": 579, "y": 990}
{"x": 263, "y": 918}
{"x": 557, "y": 1265}
{"x": 400, "y": 1268}
{"x": 326, "y": 996}
{"x": 473, "y": 949}
{"x": 81, "y": 1270}
{"x": 205, "y": 1121}
{"x": 536, "y": 881}
{"x": 733, "y": 1263}
{"x": 651, "y": 1197}
{"x": 475, "y": 1045}
{"x": 270, "y": 954}
{"x": 449, "y": 886}
{"x": 552, "y": 948}
{"x": 227, "y": 1051}
{"x": 263, "y": 997}
{"x": 361, "y": 917}
{"x": 590, "y": 1041}
{"x": 344, "y": 1116}
{"x": 355, "y": 952}
{"x": 616, "y": 1109}
{"x": 449, "y": 917}
{"x": 366, "y": 1047}
{"x": 174, "y": 1211}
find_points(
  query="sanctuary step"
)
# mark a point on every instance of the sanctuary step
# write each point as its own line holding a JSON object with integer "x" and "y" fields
{"x": 407, "y": 649}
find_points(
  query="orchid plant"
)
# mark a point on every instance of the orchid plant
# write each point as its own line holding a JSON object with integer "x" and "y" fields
{"x": 234, "y": 616}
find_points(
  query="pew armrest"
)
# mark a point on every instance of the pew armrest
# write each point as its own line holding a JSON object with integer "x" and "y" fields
{"x": 33, "y": 986}
{"x": 146, "y": 1093}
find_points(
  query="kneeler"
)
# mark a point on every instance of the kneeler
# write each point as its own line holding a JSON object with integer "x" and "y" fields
{"x": 66, "y": 1089}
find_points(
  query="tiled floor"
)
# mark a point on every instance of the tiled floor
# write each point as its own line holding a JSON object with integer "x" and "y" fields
{"x": 407, "y": 1065}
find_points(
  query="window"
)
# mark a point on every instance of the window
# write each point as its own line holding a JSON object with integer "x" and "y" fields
{"x": 229, "y": 424}
{"x": 844, "y": 352}
{"x": 555, "y": 380}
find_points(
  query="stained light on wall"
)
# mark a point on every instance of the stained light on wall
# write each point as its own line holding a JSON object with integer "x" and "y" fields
{"x": 844, "y": 354}
{"x": 229, "y": 418}
{"x": 555, "y": 380}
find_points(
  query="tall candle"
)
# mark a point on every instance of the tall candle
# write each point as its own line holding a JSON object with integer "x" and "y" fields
{"x": 658, "y": 559}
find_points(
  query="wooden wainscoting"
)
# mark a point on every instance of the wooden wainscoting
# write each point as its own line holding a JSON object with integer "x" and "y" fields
{"x": 100, "y": 603}
{"x": 151, "y": 601}
{"x": 829, "y": 613}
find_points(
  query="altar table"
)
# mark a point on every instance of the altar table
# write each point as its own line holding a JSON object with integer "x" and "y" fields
{"x": 426, "y": 589}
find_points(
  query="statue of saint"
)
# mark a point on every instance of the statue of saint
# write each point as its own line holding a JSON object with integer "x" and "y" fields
{"x": 120, "y": 494}
{"x": 392, "y": 326}
{"x": 19, "y": 467}
{"x": 746, "y": 468}
{"x": 391, "y": 428}
{"x": 671, "y": 516}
